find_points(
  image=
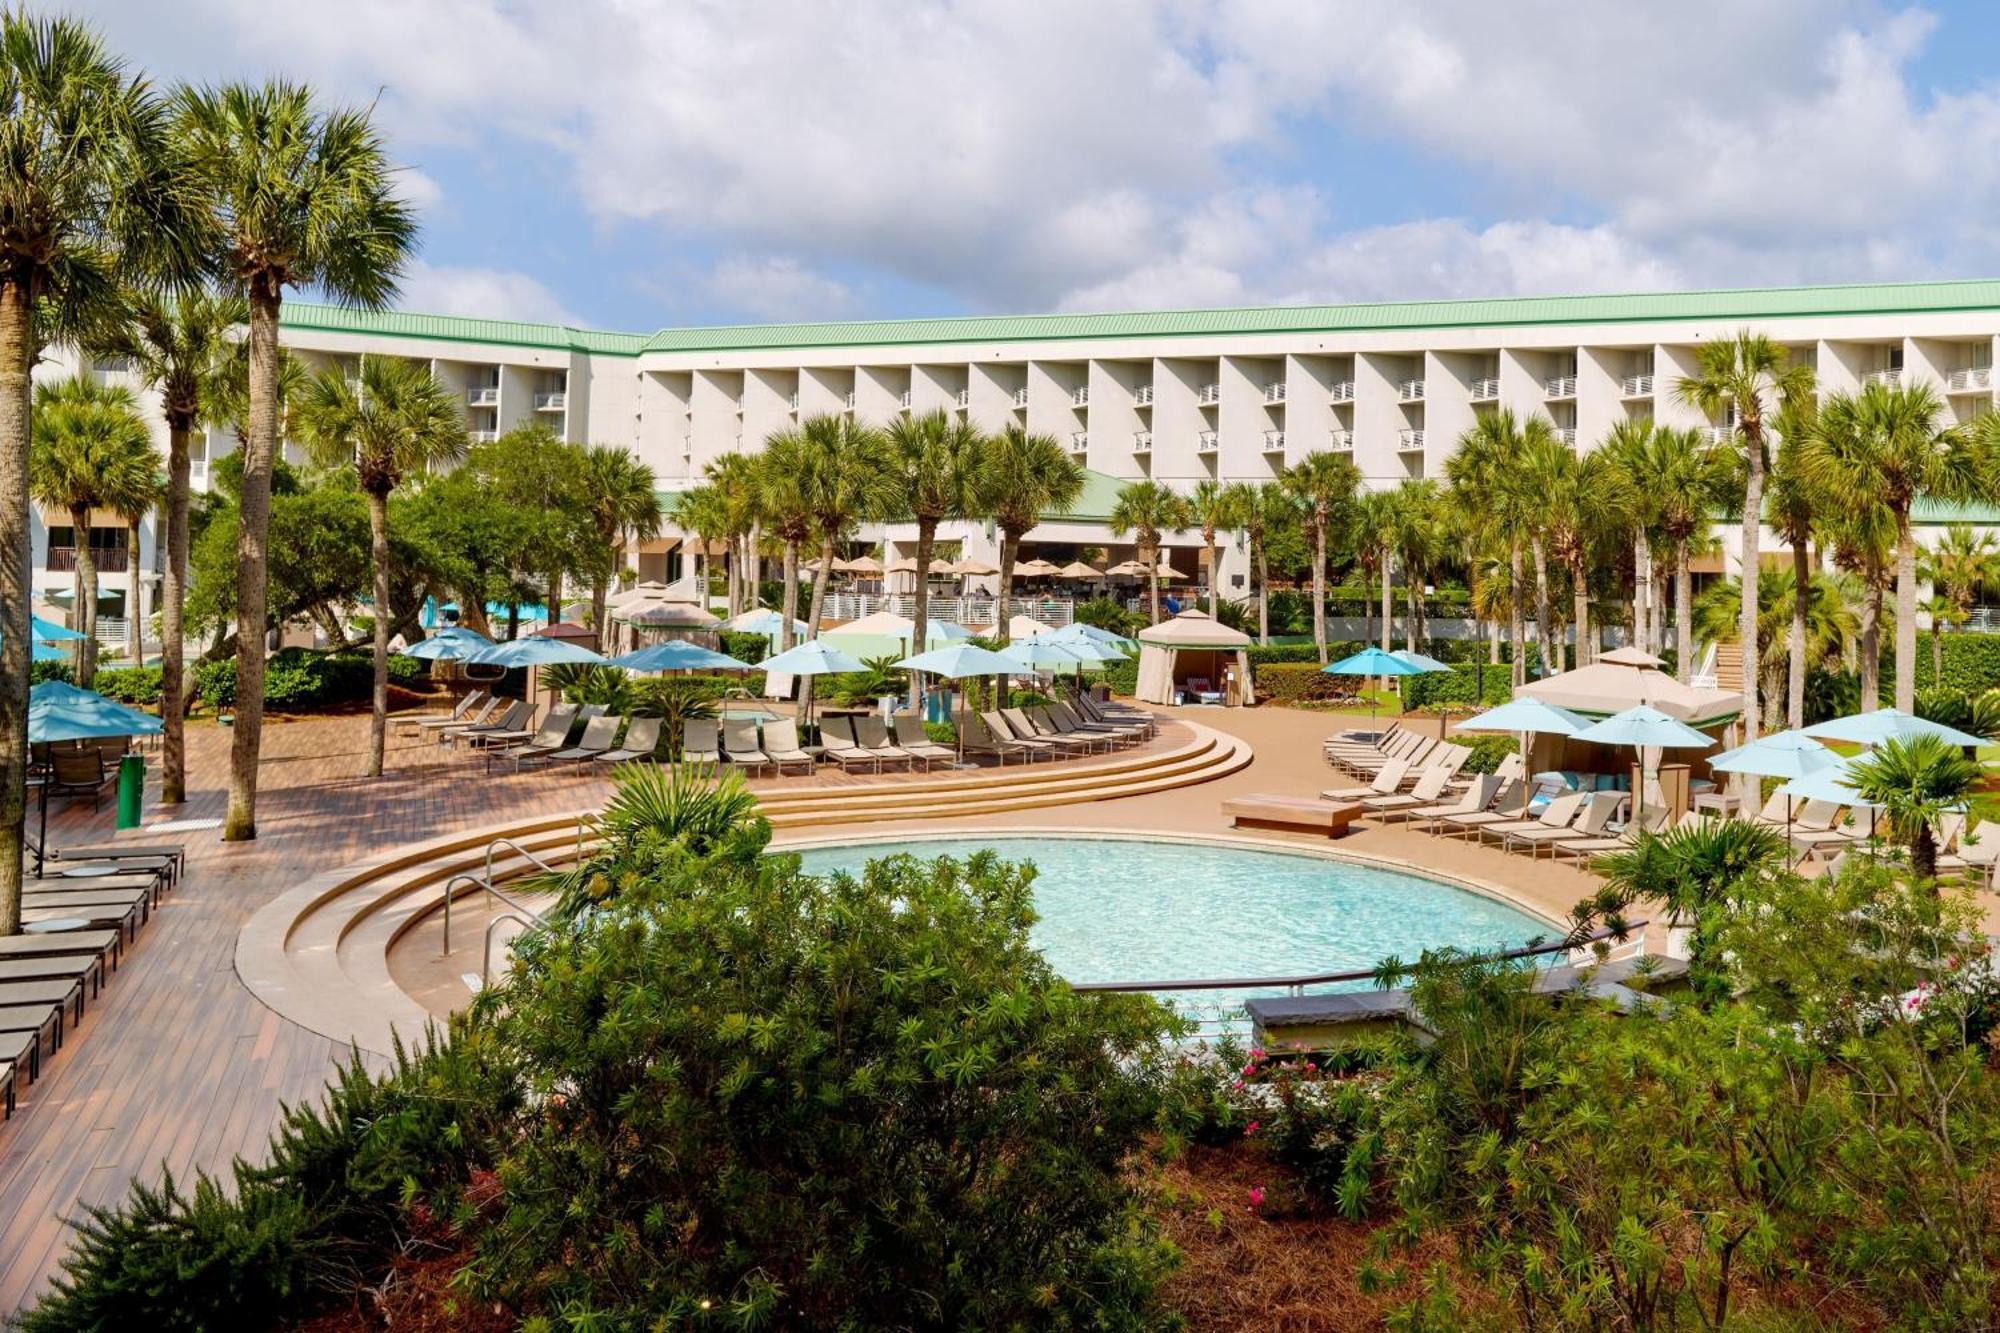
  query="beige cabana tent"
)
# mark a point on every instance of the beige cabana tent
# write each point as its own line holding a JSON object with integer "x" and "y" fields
{"x": 1191, "y": 645}
{"x": 1627, "y": 677}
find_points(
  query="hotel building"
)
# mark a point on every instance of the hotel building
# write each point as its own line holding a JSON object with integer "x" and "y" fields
{"x": 1177, "y": 396}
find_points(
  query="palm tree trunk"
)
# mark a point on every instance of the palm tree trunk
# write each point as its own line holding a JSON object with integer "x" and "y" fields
{"x": 378, "y": 556}
{"x": 1746, "y": 621}
{"x": 1683, "y": 613}
{"x": 1214, "y": 576}
{"x": 1516, "y": 631}
{"x": 920, "y": 608}
{"x": 600, "y": 608}
{"x": 1906, "y": 613}
{"x": 252, "y": 576}
{"x": 1662, "y": 577}
{"x": 1149, "y": 556}
{"x": 17, "y": 354}
{"x": 1010, "y": 545}
{"x": 821, "y": 577}
{"x": 173, "y": 589}
{"x": 1410, "y": 611}
{"x": 1319, "y": 586}
{"x": 1544, "y": 625}
{"x": 135, "y": 606}
{"x": 1388, "y": 607}
{"x": 787, "y": 613}
{"x": 86, "y": 599}
{"x": 1642, "y": 591}
{"x": 1937, "y": 654}
{"x": 1263, "y": 594}
{"x": 1795, "y": 681}
{"x": 1871, "y": 635}
{"x": 555, "y": 605}
{"x": 1579, "y": 584}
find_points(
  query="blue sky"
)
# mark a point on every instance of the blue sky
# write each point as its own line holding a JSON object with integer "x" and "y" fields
{"x": 638, "y": 166}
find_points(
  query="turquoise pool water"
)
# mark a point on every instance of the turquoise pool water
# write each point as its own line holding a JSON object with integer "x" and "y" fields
{"x": 1118, "y": 910}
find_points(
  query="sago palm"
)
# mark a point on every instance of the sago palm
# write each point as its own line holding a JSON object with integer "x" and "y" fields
{"x": 296, "y": 195}
{"x": 1022, "y": 478}
{"x": 181, "y": 347}
{"x": 391, "y": 421}
{"x": 1746, "y": 377}
{"x": 1148, "y": 510}
{"x": 1210, "y": 509}
{"x": 621, "y": 504}
{"x": 1916, "y": 782}
{"x": 937, "y": 459}
{"x": 1323, "y": 486}
{"x": 88, "y": 198}
{"x": 1256, "y": 508}
{"x": 90, "y": 450}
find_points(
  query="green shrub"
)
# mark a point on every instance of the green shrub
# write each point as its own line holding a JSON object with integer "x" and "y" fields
{"x": 1461, "y": 685}
{"x": 751, "y": 648}
{"x": 944, "y": 733}
{"x": 129, "y": 685}
{"x": 1487, "y": 752}
{"x": 1108, "y": 613}
{"x": 1298, "y": 682}
{"x": 1971, "y": 664}
{"x": 41, "y": 671}
{"x": 301, "y": 679}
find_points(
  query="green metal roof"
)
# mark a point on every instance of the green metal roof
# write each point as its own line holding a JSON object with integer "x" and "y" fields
{"x": 1100, "y": 492}
{"x": 1742, "y": 303}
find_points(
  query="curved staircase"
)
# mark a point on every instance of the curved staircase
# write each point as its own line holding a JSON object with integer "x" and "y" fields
{"x": 319, "y": 954}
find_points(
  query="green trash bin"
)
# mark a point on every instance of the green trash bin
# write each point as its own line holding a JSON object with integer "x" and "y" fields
{"x": 131, "y": 790}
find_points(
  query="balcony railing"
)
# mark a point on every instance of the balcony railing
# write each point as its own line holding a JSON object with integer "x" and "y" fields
{"x": 1020, "y": 397}
{"x": 1274, "y": 441}
{"x": 792, "y": 400}
{"x": 1142, "y": 396}
{"x": 486, "y": 395}
{"x": 1410, "y": 440}
{"x": 1718, "y": 434}
{"x": 1142, "y": 442}
{"x": 964, "y": 398}
{"x": 1208, "y": 395}
{"x": 1559, "y": 386}
{"x": 1079, "y": 441}
{"x": 847, "y": 400}
{"x": 1274, "y": 393}
{"x": 1567, "y": 434}
{"x": 1411, "y": 391}
{"x": 551, "y": 402}
{"x": 903, "y": 399}
{"x": 1341, "y": 441}
{"x": 1486, "y": 389}
{"x": 1080, "y": 396}
{"x": 198, "y": 473}
{"x": 1970, "y": 379}
{"x": 1637, "y": 386}
{"x": 1892, "y": 376}
{"x": 1207, "y": 442}
{"x": 1341, "y": 391}
{"x": 483, "y": 436}
{"x": 109, "y": 559}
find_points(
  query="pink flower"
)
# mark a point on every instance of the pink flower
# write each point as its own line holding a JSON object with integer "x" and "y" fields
{"x": 1256, "y": 1197}
{"x": 1237, "y": 1085}
{"x": 1252, "y": 1128}
{"x": 1248, "y": 1070}
{"x": 1256, "y": 1053}
{"x": 1311, "y": 1068}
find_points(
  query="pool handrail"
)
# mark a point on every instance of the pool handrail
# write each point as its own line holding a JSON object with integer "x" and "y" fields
{"x": 1297, "y": 984}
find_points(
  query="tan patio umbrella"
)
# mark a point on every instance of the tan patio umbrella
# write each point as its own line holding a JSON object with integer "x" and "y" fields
{"x": 1076, "y": 569}
{"x": 971, "y": 568}
{"x": 904, "y": 565}
{"x": 1033, "y": 569}
{"x": 866, "y": 564}
{"x": 1128, "y": 569}
{"x": 1167, "y": 571}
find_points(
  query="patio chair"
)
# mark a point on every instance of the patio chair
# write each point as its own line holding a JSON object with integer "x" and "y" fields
{"x": 1510, "y": 803}
{"x": 1050, "y": 723}
{"x": 996, "y": 722}
{"x": 910, "y": 734}
{"x": 1025, "y": 729}
{"x": 1652, "y": 821}
{"x": 1412, "y": 756}
{"x": 1478, "y": 794}
{"x": 1446, "y": 757}
{"x": 837, "y": 742}
{"x": 1814, "y": 825}
{"x": 701, "y": 742}
{"x": 512, "y": 729}
{"x": 436, "y": 727}
{"x": 598, "y": 735}
{"x": 417, "y": 722}
{"x": 642, "y": 737}
{"x": 548, "y": 738}
{"x": 781, "y": 743}
{"x": 975, "y": 737}
{"x": 872, "y": 736}
{"x": 740, "y": 748}
{"x": 1430, "y": 786}
{"x": 1598, "y": 808}
{"x": 506, "y": 717}
{"x": 1203, "y": 689}
{"x": 1117, "y": 733}
{"x": 1559, "y": 813}
{"x": 79, "y": 773}
{"x": 1386, "y": 783}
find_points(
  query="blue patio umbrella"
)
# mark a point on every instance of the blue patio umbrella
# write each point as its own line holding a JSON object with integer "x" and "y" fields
{"x": 1644, "y": 728}
{"x": 1783, "y": 754}
{"x": 50, "y": 632}
{"x": 944, "y": 631}
{"x": 1835, "y": 783}
{"x": 450, "y": 644}
{"x": 1375, "y": 662}
{"x": 1419, "y": 659}
{"x": 677, "y": 655}
{"x": 58, "y": 711}
{"x": 1078, "y": 632}
{"x": 1888, "y": 724}
{"x": 531, "y": 652}
{"x": 763, "y": 620}
{"x": 1041, "y": 653}
{"x": 812, "y": 658}
{"x": 1527, "y": 716}
{"x": 959, "y": 661}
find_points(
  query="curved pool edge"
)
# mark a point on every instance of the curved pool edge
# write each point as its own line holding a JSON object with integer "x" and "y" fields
{"x": 1450, "y": 879}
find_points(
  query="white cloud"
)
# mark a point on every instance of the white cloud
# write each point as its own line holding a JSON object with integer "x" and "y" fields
{"x": 487, "y": 293}
{"x": 777, "y": 288}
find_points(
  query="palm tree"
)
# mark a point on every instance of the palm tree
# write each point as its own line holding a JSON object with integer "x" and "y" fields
{"x": 182, "y": 347}
{"x": 1210, "y": 509}
{"x": 1373, "y": 526}
{"x": 90, "y": 450}
{"x": 1963, "y": 564}
{"x": 937, "y": 460}
{"x": 391, "y": 420}
{"x": 1740, "y": 378}
{"x": 1256, "y": 507}
{"x": 1884, "y": 446}
{"x": 1583, "y": 499}
{"x": 620, "y": 502}
{"x": 297, "y": 195}
{"x": 1628, "y": 446}
{"x": 1915, "y": 782}
{"x": 86, "y": 174}
{"x": 1793, "y": 512}
{"x": 138, "y": 497}
{"x": 1420, "y": 529}
{"x": 1147, "y": 510}
{"x": 847, "y": 480}
{"x": 1860, "y": 537}
{"x": 1021, "y": 478}
{"x": 1324, "y": 486}
{"x": 781, "y": 469}
{"x": 734, "y": 477}
{"x": 1831, "y": 626}
{"x": 1489, "y": 487}
{"x": 1687, "y": 479}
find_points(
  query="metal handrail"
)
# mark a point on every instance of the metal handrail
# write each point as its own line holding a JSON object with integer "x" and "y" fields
{"x": 1296, "y": 984}
{"x": 486, "y": 956}
{"x": 493, "y": 890}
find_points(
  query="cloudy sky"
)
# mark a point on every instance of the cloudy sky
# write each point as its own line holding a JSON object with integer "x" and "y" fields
{"x": 634, "y": 164}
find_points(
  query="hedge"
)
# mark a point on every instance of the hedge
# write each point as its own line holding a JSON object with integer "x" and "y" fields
{"x": 129, "y": 685}
{"x": 1971, "y": 663}
{"x": 744, "y": 647}
{"x": 1487, "y": 752}
{"x": 1460, "y": 685}
{"x": 297, "y": 679}
{"x": 1298, "y": 682}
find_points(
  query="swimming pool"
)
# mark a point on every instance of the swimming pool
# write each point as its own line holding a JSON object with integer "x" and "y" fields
{"x": 1152, "y": 910}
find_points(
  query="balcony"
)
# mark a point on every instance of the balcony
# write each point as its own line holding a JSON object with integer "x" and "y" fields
{"x": 1274, "y": 442}
{"x": 963, "y": 398}
{"x": 1341, "y": 391}
{"x": 1636, "y": 386}
{"x": 1718, "y": 434}
{"x": 109, "y": 559}
{"x": 1410, "y": 391}
{"x": 1020, "y": 397}
{"x": 483, "y": 436}
{"x": 1567, "y": 434}
{"x": 556, "y": 401}
{"x": 486, "y": 395}
{"x": 1969, "y": 379}
{"x": 1486, "y": 389}
{"x": 1341, "y": 441}
{"x": 1142, "y": 442}
{"x": 198, "y": 473}
{"x": 1274, "y": 393}
{"x": 1207, "y": 442}
{"x": 847, "y": 400}
{"x": 1410, "y": 441}
{"x": 903, "y": 400}
{"x": 1890, "y": 377}
{"x": 1079, "y": 441}
{"x": 792, "y": 400}
{"x": 1142, "y": 395}
{"x": 1559, "y": 386}
{"x": 1080, "y": 396}
{"x": 1208, "y": 395}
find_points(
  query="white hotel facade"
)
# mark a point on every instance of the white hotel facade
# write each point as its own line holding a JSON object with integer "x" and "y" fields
{"x": 1177, "y": 396}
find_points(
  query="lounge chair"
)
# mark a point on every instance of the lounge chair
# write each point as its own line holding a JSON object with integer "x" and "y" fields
{"x": 171, "y": 852}
{"x": 1447, "y": 758}
{"x": 642, "y": 737}
{"x": 975, "y": 737}
{"x": 1413, "y": 757}
{"x": 79, "y": 773}
{"x": 996, "y": 722}
{"x": 701, "y": 742}
{"x": 1430, "y": 786}
{"x": 550, "y": 737}
{"x": 1047, "y": 723}
{"x": 1478, "y": 794}
{"x": 460, "y": 712}
{"x": 1096, "y": 711}
{"x": 436, "y": 727}
{"x": 1652, "y": 821}
{"x": 1559, "y": 813}
{"x": 781, "y": 743}
{"x": 1511, "y": 803}
{"x": 1025, "y": 729}
{"x": 1386, "y": 783}
{"x": 837, "y": 742}
{"x": 740, "y": 748}
{"x": 1814, "y": 826}
{"x": 910, "y": 734}
{"x": 872, "y": 736}
{"x": 1115, "y": 733}
{"x": 512, "y": 718}
{"x": 1598, "y": 807}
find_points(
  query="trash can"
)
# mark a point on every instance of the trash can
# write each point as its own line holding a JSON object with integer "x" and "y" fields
{"x": 131, "y": 790}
